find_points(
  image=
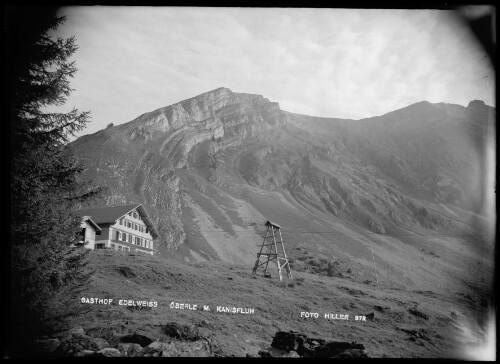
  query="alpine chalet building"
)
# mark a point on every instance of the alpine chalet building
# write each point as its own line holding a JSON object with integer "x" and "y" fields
{"x": 125, "y": 228}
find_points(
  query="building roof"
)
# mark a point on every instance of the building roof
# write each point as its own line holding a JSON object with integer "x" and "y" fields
{"x": 91, "y": 222}
{"x": 276, "y": 226}
{"x": 110, "y": 214}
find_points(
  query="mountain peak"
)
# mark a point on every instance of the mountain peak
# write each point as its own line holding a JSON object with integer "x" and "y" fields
{"x": 208, "y": 95}
{"x": 476, "y": 105}
{"x": 216, "y": 114}
{"x": 476, "y": 102}
{"x": 219, "y": 90}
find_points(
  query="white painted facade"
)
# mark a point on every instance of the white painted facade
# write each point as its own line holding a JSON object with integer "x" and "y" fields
{"x": 88, "y": 233}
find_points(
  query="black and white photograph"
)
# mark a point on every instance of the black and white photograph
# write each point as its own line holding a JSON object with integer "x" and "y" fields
{"x": 279, "y": 182}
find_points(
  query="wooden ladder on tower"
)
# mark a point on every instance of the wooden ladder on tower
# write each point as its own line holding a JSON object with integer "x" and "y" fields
{"x": 272, "y": 253}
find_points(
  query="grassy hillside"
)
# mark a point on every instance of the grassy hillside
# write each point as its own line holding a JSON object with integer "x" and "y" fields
{"x": 406, "y": 323}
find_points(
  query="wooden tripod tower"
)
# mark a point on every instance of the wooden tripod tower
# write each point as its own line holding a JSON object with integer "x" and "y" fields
{"x": 272, "y": 253}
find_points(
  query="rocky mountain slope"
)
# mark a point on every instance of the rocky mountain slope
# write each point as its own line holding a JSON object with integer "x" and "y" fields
{"x": 395, "y": 199}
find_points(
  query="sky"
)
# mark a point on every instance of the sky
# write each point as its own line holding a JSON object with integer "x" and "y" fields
{"x": 343, "y": 63}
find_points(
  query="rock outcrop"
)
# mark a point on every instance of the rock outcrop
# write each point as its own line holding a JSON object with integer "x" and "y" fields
{"x": 221, "y": 113}
{"x": 183, "y": 341}
{"x": 306, "y": 347}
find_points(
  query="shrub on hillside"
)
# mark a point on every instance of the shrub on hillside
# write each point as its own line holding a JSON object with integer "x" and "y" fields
{"x": 416, "y": 312}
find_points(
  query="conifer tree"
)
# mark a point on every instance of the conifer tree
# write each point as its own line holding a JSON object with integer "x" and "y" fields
{"x": 45, "y": 191}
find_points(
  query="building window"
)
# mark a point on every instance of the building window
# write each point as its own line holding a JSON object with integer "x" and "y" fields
{"x": 121, "y": 221}
{"x": 129, "y": 238}
{"x": 118, "y": 235}
{"x": 124, "y": 236}
{"x": 119, "y": 248}
{"x": 99, "y": 246}
{"x": 113, "y": 246}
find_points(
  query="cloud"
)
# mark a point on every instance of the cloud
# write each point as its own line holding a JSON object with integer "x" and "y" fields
{"x": 344, "y": 63}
